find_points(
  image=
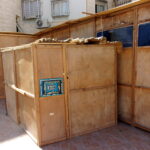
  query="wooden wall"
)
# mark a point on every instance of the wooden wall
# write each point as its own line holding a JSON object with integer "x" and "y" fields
{"x": 19, "y": 87}
{"x": 25, "y": 81}
{"x": 89, "y": 101}
{"x": 8, "y": 40}
{"x": 133, "y": 62}
{"x": 52, "y": 116}
{"x": 10, "y": 80}
{"x": 91, "y": 71}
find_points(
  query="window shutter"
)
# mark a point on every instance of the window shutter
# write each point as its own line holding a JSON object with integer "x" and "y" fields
{"x": 60, "y": 8}
{"x": 31, "y": 9}
{"x": 121, "y": 2}
{"x": 65, "y": 8}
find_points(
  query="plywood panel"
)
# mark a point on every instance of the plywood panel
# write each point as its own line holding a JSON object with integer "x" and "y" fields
{"x": 104, "y": 24}
{"x": 91, "y": 66}
{"x": 53, "y": 119}
{"x": 9, "y": 77}
{"x": 143, "y": 13}
{"x": 11, "y": 103}
{"x": 142, "y": 107}
{"x": 125, "y": 103}
{"x": 26, "y": 39}
{"x": 91, "y": 110}
{"x": 50, "y": 61}
{"x": 2, "y": 86}
{"x": 14, "y": 40}
{"x": 24, "y": 70}
{"x": 9, "y": 70}
{"x": 142, "y": 67}
{"x": 7, "y": 40}
{"x": 125, "y": 64}
{"x": 27, "y": 114}
{"x": 123, "y": 19}
{"x": 61, "y": 34}
{"x": 86, "y": 29}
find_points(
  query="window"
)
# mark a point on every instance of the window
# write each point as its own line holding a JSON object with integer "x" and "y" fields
{"x": 122, "y": 2}
{"x": 125, "y": 35}
{"x": 99, "y": 8}
{"x": 60, "y": 8}
{"x": 31, "y": 9}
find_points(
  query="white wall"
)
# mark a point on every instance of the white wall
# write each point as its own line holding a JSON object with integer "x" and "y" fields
{"x": 8, "y": 12}
{"x": 76, "y": 8}
{"x": 90, "y": 4}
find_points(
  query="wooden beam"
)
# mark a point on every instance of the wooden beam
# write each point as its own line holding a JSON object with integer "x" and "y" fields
{"x": 87, "y": 13}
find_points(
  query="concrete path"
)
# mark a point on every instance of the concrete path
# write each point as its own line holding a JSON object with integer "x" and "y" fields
{"x": 121, "y": 137}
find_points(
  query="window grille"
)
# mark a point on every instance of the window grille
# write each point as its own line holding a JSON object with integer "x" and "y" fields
{"x": 60, "y": 8}
{"x": 122, "y": 2}
{"x": 99, "y": 8}
{"x": 31, "y": 9}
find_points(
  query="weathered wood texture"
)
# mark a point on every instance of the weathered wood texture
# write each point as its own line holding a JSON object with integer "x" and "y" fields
{"x": 89, "y": 101}
{"x": 25, "y": 82}
{"x": 125, "y": 66}
{"x": 18, "y": 75}
{"x": 2, "y": 85}
{"x": 9, "y": 77}
{"x": 125, "y": 103}
{"x": 7, "y": 40}
{"x": 79, "y": 30}
{"x": 85, "y": 61}
{"x": 27, "y": 115}
{"x": 24, "y": 70}
{"x": 92, "y": 83}
{"x": 119, "y": 19}
{"x": 52, "y": 126}
{"x": 143, "y": 13}
{"x": 92, "y": 109}
{"x": 142, "y": 105}
{"x": 142, "y": 67}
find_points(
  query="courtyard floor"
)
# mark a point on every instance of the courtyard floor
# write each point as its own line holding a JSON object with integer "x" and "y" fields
{"x": 120, "y": 137}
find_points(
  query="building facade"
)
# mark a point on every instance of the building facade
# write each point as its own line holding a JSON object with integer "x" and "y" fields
{"x": 30, "y": 16}
{"x": 40, "y": 14}
{"x": 9, "y": 10}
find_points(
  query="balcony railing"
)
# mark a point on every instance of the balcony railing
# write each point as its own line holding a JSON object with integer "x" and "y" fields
{"x": 122, "y": 2}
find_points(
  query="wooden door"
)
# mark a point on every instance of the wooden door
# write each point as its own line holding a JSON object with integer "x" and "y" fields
{"x": 91, "y": 71}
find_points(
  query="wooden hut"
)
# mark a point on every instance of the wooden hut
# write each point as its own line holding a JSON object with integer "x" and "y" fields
{"x": 58, "y": 91}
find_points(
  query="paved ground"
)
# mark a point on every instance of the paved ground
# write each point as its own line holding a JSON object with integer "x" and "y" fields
{"x": 121, "y": 137}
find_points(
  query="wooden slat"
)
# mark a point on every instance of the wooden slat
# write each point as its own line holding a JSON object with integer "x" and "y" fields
{"x": 125, "y": 103}
{"x": 88, "y": 86}
{"x": 24, "y": 78}
{"x": 142, "y": 107}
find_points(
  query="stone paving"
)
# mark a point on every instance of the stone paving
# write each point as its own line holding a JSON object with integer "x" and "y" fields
{"x": 120, "y": 137}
